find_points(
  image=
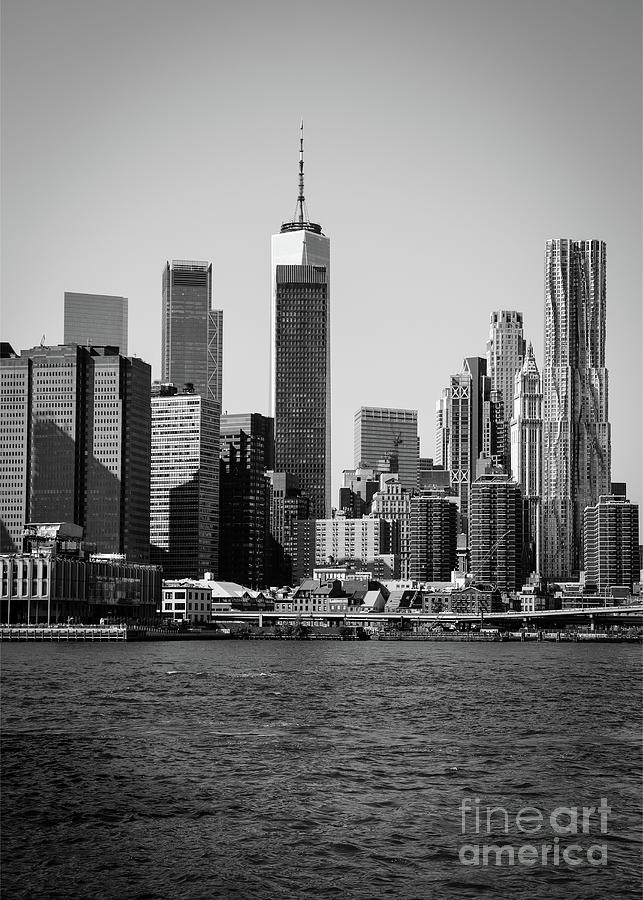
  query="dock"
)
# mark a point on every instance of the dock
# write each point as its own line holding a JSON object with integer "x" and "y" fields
{"x": 63, "y": 633}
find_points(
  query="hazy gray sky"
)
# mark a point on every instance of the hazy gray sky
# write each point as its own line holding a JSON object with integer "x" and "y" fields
{"x": 445, "y": 142}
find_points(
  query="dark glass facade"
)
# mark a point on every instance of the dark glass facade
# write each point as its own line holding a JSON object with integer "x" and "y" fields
{"x": 87, "y": 449}
{"x": 302, "y": 379}
{"x": 246, "y": 455}
{"x": 388, "y": 434}
{"x": 96, "y": 320}
{"x": 192, "y": 333}
{"x": 184, "y": 509}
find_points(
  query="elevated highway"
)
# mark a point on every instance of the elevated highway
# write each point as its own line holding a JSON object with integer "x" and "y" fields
{"x": 601, "y": 617}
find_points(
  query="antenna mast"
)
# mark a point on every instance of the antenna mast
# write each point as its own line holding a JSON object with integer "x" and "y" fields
{"x": 300, "y": 199}
{"x": 300, "y": 218}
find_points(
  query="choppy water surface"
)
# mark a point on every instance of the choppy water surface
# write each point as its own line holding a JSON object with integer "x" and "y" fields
{"x": 293, "y": 769}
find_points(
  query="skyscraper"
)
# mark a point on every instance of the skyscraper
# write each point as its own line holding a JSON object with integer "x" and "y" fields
{"x": 526, "y": 450}
{"x": 96, "y": 319}
{"x": 442, "y": 436}
{"x": 496, "y": 533}
{"x": 392, "y": 503}
{"x": 576, "y": 431}
{"x": 466, "y": 397}
{"x": 288, "y": 506}
{"x": 300, "y": 384}
{"x": 244, "y": 508}
{"x": 388, "y": 434}
{"x": 611, "y": 543}
{"x": 192, "y": 332}
{"x": 184, "y": 505}
{"x": 79, "y": 427}
{"x": 505, "y": 353}
{"x": 15, "y": 419}
{"x": 434, "y": 536}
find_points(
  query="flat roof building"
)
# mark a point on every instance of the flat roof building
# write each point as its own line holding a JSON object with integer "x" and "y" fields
{"x": 56, "y": 578}
{"x": 75, "y": 429}
{"x": 244, "y": 508}
{"x": 611, "y": 543}
{"x": 496, "y": 532}
{"x": 96, "y": 319}
{"x": 184, "y": 503}
{"x": 433, "y": 536}
{"x": 192, "y": 332}
{"x": 382, "y": 433}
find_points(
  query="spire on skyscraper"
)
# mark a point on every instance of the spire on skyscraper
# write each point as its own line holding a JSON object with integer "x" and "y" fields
{"x": 529, "y": 365}
{"x": 301, "y": 201}
{"x": 300, "y": 220}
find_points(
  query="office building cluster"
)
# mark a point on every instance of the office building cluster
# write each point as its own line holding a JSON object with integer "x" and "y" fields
{"x": 531, "y": 465}
{"x": 152, "y": 474}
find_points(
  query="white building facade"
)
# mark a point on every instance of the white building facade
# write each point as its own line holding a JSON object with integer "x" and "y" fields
{"x": 341, "y": 538}
{"x": 526, "y": 448}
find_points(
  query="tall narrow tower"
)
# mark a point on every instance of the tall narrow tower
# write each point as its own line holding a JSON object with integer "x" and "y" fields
{"x": 184, "y": 502}
{"x": 466, "y": 399}
{"x": 526, "y": 449}
{"x": 300, "y": 320}
{"x": 192, "y": 339}
{"x": 505, "y": 354}
{"x": 576, "y": 431}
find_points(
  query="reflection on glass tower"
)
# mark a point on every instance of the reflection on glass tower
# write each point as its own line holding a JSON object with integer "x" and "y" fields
{"x": 192, "y": 340}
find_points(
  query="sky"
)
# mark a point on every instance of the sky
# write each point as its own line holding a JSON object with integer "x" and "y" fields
{"x": 446, "y": 141}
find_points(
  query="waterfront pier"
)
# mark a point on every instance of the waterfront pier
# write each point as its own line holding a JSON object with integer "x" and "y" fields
{"x": 53, "y": 633}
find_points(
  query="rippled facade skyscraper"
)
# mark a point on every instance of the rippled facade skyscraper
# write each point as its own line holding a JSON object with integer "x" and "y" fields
{"x": 576, "y": 431}
{"x": 300, "y": 347}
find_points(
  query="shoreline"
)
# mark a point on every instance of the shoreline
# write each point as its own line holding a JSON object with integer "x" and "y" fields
{"x": 123, "y": 634}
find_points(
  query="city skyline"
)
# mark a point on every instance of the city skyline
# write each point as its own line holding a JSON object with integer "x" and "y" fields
{"x": 222, "y": 204}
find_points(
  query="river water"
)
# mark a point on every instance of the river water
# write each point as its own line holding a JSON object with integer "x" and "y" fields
{"x": 322, "y": 770}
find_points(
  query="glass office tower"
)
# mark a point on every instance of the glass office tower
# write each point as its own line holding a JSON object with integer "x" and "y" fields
{"x": 192, "y": 332}
{"x": 300, "y": 385}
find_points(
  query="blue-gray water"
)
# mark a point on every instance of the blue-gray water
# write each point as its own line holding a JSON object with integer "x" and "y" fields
{"x": 320, "y": 770}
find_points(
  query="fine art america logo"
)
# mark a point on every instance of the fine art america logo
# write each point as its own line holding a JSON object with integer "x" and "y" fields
{"x": 564, "y": 827}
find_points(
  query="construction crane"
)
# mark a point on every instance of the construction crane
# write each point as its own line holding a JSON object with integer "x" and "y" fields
{"x": 495, "y": 545}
